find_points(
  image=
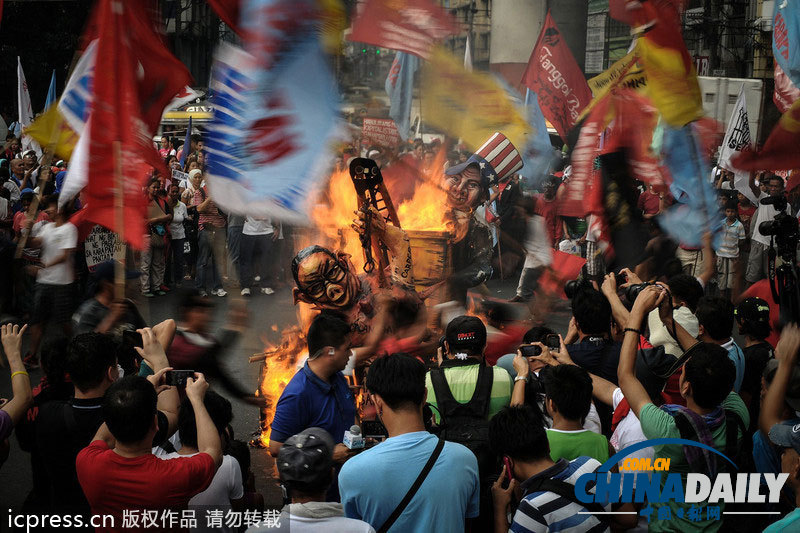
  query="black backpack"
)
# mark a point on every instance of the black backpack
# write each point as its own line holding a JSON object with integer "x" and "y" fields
{"x": 466, "y": 423}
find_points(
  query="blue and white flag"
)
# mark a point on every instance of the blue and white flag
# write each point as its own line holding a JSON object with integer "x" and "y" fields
{"x": 271, "y": 139}
{"x": 51, "y": 91}
{"x": 696, "y": 211}
{"x": 400, "y": 87}
{"x": 76, "y": 101}
{"x": 538, "y": 154}
{"x": 786, "y": 38}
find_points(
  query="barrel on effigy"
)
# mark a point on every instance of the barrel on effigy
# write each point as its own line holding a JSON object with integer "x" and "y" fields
{"x": 430, "y": 251}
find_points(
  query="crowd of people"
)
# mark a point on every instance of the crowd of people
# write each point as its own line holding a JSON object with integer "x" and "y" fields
{"x": 479, "y": 420}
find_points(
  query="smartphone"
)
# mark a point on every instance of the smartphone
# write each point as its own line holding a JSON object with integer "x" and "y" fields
{"x": 132, "y": 338}
{"x": 530, "y": 350}
{"x": 177, "y": 378}
{"x": 552, "y": 341}
{"x": 507, "y": 462}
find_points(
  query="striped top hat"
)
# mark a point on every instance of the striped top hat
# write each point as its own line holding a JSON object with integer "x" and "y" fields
{"x": 496, "y": 159}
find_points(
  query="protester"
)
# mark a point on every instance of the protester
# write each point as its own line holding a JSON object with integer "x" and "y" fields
{"x": 728, "y": 251}
{"x": 449, "y": 492}
{"x": 177, "y": 236}
{"x": 53, "y": 296}
{"x": 103, "y": 313}
{"x": 153, "y": 262}
{"x": 752, "y": 319}
{"x": 305, "y": 466}
{"x": 210, "y": 240}
{"x": 757, "y": 261}
{"x": 12, "y": 411}
{"x": 257, "y": 240}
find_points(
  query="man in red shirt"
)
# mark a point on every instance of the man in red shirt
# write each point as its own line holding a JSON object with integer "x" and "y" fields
{"x": 650, "y": 203}
{"x": 547, "y": 208}
{"x": 118, "y": 472}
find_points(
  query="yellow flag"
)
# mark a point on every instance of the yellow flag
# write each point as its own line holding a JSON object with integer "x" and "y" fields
{"x": 45, "y": 129}
{"x": 470, "y": 105}
{"x": 625, "y": 72}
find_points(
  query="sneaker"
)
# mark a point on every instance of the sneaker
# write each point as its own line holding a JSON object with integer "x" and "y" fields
{"x": 148, "y": 294}
{"x": 257, "y": 278}
{"x": 164, "y": 288}
{"x": 267, "y": 290}
{"x": 219, "y": 292}
{"x": 203, "y": 294}
{"x": 30, "y": 361}
{"x": 245, "y": 292}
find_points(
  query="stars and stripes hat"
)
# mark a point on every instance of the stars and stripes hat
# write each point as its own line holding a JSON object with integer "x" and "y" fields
{"x": 496, "y": 159}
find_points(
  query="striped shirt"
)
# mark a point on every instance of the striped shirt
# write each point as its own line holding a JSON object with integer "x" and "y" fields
{"x": 545, "y": 511}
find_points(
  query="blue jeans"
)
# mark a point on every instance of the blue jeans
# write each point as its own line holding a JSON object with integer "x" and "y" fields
{"x": 211, "y": 252}
{"x": 255, "y": 258}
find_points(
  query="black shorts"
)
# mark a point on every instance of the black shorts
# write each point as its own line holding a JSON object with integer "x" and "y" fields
{"x": 52, "y": 303}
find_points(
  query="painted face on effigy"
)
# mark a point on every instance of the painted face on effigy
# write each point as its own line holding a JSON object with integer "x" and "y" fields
{"x": 464, "y": 190}
{"x": 326, "y": 280}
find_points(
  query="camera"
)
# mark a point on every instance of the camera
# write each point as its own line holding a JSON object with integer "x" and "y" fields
{"x": 178, "y": 378}
{"x": 632, "y": 292}
{"x": 552, "y": 341}
{"x": 530, "y": 350}
{"x": 620, "y": 278}
{"x": 573, "y": 286}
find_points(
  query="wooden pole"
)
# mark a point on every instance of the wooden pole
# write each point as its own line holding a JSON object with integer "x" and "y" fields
{"x": 119, "y": 222}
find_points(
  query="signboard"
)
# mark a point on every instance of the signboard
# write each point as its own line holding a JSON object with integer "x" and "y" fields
{"x": 701, "y": 65}
{"x": 181, "y": 178}
{"x": 380, "y": 131}
{"x": 100, "y": 245}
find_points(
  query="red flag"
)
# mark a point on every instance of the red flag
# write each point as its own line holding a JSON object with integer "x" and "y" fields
{"x": 563, "y": 268}
{"x": 139, "y": 78}
{"x": 785, "y": 91}
{"x": 555, "y": 77}
{"x": 411, "y": 26}
{"x": 228, "y": 12}
{"x": 780, "y": 151}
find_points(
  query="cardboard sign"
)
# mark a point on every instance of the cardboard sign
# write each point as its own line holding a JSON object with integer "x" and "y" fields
{"x": 101, "y": 244}
{"x": 380, "y": 131}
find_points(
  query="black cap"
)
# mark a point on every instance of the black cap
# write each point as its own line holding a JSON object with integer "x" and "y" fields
{"x": 753, "y": 310}
{"x": 306, "y": 457}
{"x": 466, "y": 333}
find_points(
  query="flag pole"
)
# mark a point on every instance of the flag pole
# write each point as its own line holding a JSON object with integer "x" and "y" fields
{"x": 119, "y": 222}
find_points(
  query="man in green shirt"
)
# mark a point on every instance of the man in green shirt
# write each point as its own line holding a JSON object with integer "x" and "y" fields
{"x": 706, "y": 383}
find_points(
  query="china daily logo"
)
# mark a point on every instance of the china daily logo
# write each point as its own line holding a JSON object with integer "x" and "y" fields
{"x": 647, "y": 486}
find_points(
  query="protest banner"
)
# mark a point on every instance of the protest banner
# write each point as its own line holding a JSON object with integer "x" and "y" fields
{"x": 380, "y": 131}
{"x": 625, "y": 72}
{"x": 100, "y": 245}
{"x": 555, "y": 77}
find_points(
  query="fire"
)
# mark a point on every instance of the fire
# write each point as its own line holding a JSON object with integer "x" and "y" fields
{"x": 280, "y": 364}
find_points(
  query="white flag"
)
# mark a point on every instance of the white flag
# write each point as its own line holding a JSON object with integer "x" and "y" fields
{"x": 737, "y": 138}
{"x": 468, "y": 57}
{"x": 25, "y": 110}
{"x": 76, "y": 101}
{"x": 78, "y": 172}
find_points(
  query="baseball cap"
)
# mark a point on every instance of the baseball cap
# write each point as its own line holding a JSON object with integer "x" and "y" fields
{"x": 793, "y": 390}
{"x": 786, "y": 435}
{"x": 752, "y": 310}
{"x": 306, "y": 458}
{"x": 466, "y": 333}
{"x": 27, "y": 192}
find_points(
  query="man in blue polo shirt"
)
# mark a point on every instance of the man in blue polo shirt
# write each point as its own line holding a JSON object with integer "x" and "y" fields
{"x": 318, "y": 395}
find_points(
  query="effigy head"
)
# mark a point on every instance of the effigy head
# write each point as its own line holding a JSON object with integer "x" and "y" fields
{"x": 325, "y": 279}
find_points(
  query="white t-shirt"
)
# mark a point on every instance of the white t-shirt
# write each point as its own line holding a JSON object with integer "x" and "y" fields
{"x": 176, "y": 228}
{"x": 56, "y": 239}
{"x": 764, "y": 213}
{"x": 325, "y": 523}
{"x": 629, "y": 432}
{"x": 257, "y": 226}
{"x": 659, "y": 336}
{"x": 226, "y": 486}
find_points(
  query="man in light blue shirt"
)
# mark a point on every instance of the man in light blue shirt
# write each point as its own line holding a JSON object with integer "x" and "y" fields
{"x": 373, "y": 483}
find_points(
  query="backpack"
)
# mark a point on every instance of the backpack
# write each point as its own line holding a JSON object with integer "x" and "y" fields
{"x": 466, "y": 423}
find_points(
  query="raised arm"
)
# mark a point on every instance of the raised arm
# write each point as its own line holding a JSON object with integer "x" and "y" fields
{"x": 20, "y": 382}
{"x": 208, "y": 440}
{"x": 153, "y": 354}
{"x": 786, "y": 353}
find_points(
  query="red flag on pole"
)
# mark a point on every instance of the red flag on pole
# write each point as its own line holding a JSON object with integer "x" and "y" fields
{"x": 411, "y": 26}
{"x": 557, "y": 80}
{"x": 138, "y": 78}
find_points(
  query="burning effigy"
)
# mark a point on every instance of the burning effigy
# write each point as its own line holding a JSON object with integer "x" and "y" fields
{"x": 363, "y": 252}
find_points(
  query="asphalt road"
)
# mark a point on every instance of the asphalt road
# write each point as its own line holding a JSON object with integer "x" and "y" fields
{"x": 265, "y": 311}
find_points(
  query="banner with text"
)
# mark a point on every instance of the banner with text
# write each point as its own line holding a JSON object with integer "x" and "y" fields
{"x": 556, "y": 79}
{"x": 380, "y": 131}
